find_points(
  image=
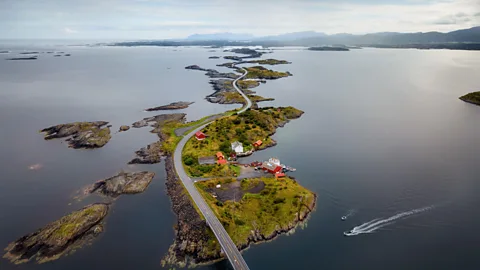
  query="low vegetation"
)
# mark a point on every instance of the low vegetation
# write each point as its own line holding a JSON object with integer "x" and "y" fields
{"x": 247, "y": 128}
{"x": 278, "y": 206}
{"x": 473, "y": 98}
{"x": 246, "y": 84}
{"x": 259, "y": 72}
{"x": 269, "y": 62}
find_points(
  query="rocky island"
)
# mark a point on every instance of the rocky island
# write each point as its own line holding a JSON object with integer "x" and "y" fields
{"x": 172, "y": 106}
{"x": 22, "y": 58}
{"x": 329, "y": 48}
{"x": 81, "y": 134}
{"x": 59, "y": 237}
{"x": 473, "y": 98}
{"x": 122, "y": 183}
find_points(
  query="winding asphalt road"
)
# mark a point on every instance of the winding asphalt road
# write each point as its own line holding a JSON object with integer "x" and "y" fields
{"x": 228, "y": 247}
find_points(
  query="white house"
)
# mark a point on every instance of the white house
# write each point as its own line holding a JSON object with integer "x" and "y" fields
{"x": 237, "y": 147}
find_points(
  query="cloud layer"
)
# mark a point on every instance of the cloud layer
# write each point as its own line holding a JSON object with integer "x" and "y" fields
{"x": 158, "y": 19}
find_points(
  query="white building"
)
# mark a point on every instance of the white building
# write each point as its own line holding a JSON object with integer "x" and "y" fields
{"x": 237, "y": 147}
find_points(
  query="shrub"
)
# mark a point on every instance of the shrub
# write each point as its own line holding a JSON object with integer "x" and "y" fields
{"x": 279, "y": 200}
{"x": 239, "y": 222}
{"x": 188, "y": 160}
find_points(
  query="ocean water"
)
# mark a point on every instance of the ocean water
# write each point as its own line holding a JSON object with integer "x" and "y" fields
{"x": 383, "y": 134}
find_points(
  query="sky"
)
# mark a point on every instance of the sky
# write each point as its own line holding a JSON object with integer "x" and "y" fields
{"x": 172, "y": 19}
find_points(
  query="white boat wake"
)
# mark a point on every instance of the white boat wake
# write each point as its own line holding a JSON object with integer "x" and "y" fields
{"x": 378, "y": 223}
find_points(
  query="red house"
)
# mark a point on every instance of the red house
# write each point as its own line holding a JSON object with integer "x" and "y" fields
{"x": 200, "y": 135}
{"x": 257, "y": 143}
{"x": 279, "y": 175}
{"x": 271, "y": 168}
{"x": 221, "y": 161}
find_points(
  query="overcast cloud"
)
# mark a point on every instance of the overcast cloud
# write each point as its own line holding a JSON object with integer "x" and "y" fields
{"x": 159, "y": 19}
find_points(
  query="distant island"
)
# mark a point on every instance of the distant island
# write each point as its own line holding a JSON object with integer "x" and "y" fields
{"x": 473, "y": 98}
{"x": 328, "y": 48}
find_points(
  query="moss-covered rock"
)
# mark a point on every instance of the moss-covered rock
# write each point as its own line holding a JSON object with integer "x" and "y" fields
{"x": 82, "y": 134}
{"x": 123, "y": 183}
{"x": 59, "y": 237}
{"x": 473, "y": 98}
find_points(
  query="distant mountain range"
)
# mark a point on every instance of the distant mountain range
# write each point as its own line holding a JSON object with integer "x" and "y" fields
{"x": 465, "y": 39}
{"x": 311, "y": 38}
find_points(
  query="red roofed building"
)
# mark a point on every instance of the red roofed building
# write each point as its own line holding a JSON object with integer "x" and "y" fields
{"x": 221, "y": 161}
{"x": 271, "y": 168}
{"x": 257, "y": 143}
{"x": 200, "y": 135}
{"x": 279, "y": 175}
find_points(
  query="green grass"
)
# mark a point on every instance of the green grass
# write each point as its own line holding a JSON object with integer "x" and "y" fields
{"x": 276, "y": 206}
{"x": 473, "y": 97}
{"x": 269, "y": 62}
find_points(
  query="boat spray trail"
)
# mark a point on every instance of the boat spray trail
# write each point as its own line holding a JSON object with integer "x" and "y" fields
{"x": 376, "y": 224}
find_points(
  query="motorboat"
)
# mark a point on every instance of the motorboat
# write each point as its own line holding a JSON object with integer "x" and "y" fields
{"x": 344, "y": 218}
{"x": 348, "y": 233}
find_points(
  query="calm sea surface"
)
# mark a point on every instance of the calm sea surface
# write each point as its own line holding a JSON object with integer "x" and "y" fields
{"x": 383, "y": 134}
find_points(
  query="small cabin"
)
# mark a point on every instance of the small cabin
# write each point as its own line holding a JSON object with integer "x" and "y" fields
{"x": 279, "y": 175}
{"x": 257, "y": 143}
{"x": 200, "y": 135}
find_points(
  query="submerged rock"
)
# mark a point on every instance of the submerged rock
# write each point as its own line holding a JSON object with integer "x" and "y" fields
{"x": 123, "y": 183}
{"x": 172, "y": 106}
{"x": 59, "y": 237}
{"x": 83, "y": 134}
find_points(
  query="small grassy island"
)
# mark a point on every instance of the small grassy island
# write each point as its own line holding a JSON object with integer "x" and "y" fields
{"x": 246, "y": 128}
{"x": 59, "y": 237}
{"x": 271, "y": 62}
{"x": 258, "y": 209}
{"x": 473, "y": 98}
{"x": 259, "y": 72}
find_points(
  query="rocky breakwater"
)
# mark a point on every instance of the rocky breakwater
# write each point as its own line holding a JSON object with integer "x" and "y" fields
{"x": 122, "y": 183}
{"x": 193, "y": 238}
{"x": 172, "y": 106}
{"x": 59, "y": 237}
{"x": 81, "y": 134}
{"x": 212, "y": 73}
{"x": 153, "y": 152}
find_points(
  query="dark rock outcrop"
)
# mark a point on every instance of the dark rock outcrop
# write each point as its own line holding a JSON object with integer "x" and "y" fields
{"x": 214, "y": 57}
{"x": 82, "y": 134}
{"x": 172, "y": 106}
{"x": 59, "y": 237}
{"x": 124, "y": 128}
{"x": 149, "y": 155}
{"x": 122, "y": 183}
